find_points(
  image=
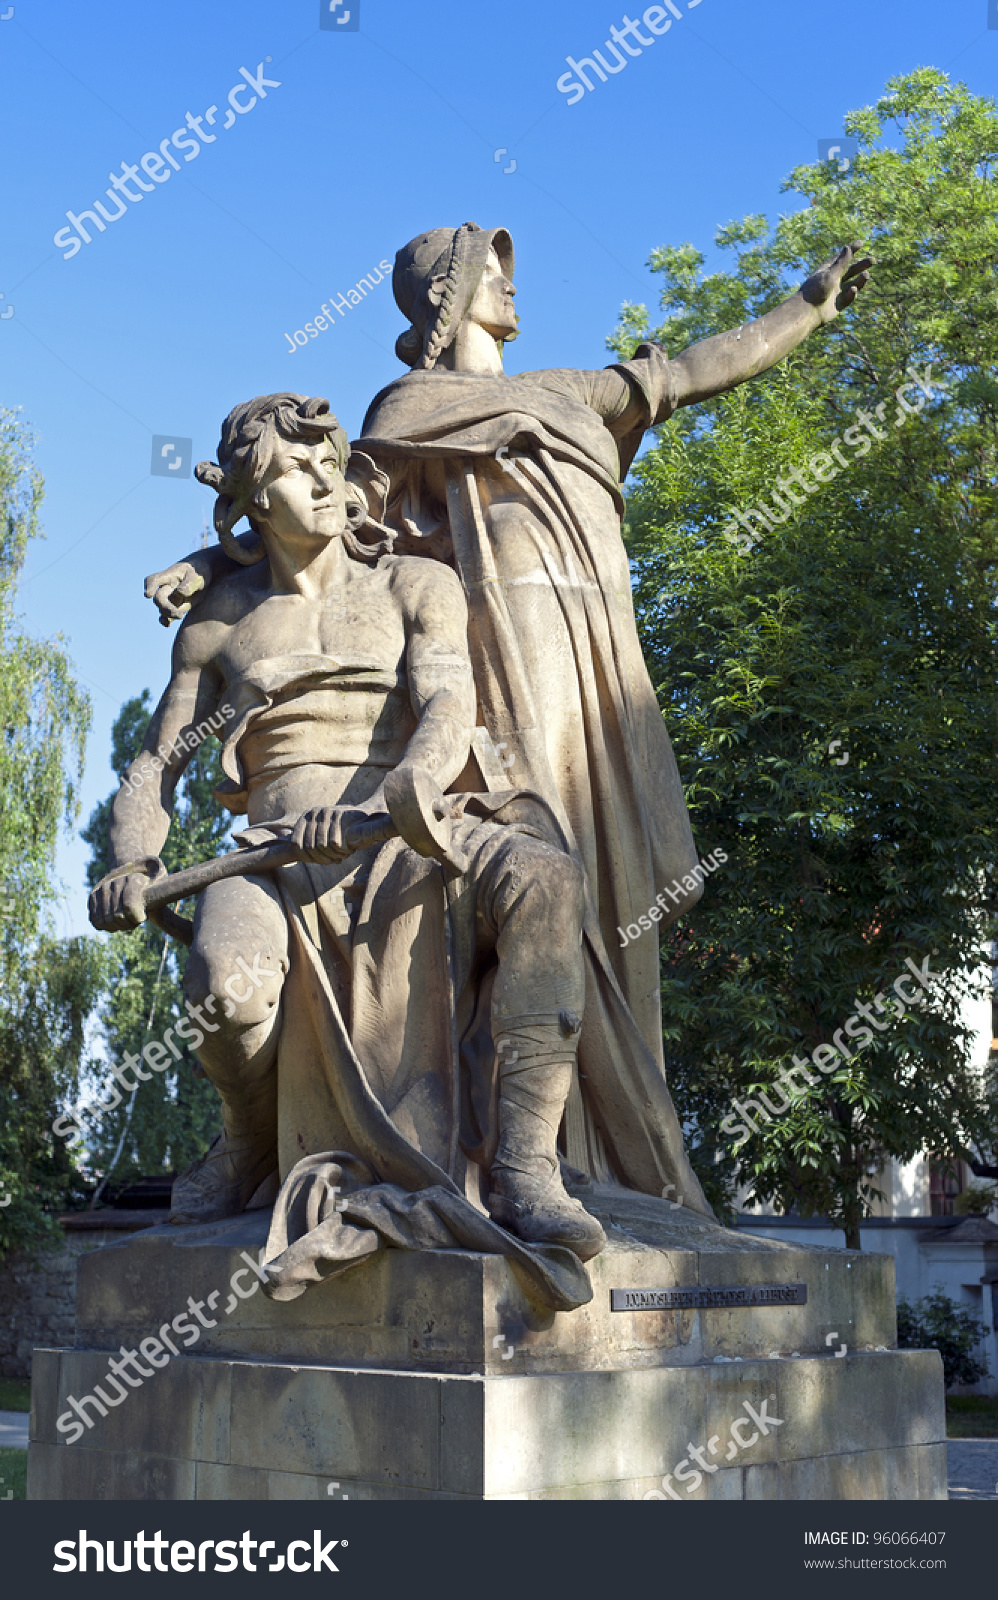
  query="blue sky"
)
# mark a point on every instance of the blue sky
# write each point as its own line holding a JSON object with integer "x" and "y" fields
{"x": 183, "y": 306}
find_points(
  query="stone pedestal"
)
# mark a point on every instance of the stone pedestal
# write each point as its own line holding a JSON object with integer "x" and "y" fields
{"x": 438, "y": 1376}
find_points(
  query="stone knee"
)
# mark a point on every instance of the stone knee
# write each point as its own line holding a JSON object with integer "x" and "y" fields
{"x": 233, "y": 983}
{"x": 537, "y": 905}
{"x": 239, "y": 957}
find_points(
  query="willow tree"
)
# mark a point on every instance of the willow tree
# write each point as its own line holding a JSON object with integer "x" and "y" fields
{"x": 827, "y": 667}
{"x": 171, "y": 1117}
{"x": 47, "y": 985}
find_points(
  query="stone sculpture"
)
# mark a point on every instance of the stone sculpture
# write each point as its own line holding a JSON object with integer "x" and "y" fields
{"x": 333, "y": 662}
{"x": 514, "y": 484}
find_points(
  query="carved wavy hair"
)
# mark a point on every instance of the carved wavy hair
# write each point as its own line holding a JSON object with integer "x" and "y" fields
{"x": 250, "y": 436}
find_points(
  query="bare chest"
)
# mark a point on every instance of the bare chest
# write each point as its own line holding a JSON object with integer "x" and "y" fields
{"x": 350, "y": 623}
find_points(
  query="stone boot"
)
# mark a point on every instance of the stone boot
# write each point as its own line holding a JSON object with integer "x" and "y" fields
{"x": 527, "y": 1194}
{"x": 223, "y": 1181}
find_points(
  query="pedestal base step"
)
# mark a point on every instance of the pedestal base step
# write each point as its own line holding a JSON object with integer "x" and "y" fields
{"x": 867, "y": 1426}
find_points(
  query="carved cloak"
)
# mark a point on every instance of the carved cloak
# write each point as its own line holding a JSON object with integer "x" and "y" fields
{"x": 533, "y": 509}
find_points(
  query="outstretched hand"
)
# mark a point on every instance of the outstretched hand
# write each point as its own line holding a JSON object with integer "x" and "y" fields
{"x": 172, "y": 590}
{"x": 836, "y": 284}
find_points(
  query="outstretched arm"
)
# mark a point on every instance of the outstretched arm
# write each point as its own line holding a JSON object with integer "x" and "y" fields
{"x": 720, "y": 363}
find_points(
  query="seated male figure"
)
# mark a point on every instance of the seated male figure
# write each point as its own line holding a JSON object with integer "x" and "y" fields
{"x": 334, "y": 663}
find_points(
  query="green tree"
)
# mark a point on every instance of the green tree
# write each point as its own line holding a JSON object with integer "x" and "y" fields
{"x": 47, "y": 985}
{"x": 862, "y": 612}
{"x": 173, "y": 1115}
{"x": 939, "y": 1323}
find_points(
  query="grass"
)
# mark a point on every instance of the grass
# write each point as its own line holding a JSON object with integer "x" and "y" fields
{"x": 15, "y": 1394}
{"x": 972, "y": 1416}
{"x": 13, "y": 1473}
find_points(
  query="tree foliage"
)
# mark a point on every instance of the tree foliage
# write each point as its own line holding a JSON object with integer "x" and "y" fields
{"x": 174, "y": 1115}
{"x": 939, "y": 1323}
{"x": 47, "y": 985}
{"x": 866, "y": 616}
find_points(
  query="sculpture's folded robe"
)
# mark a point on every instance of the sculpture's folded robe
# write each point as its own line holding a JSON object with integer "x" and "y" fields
{"x": 378, "y": 1101}
{"x": 532, "y": 468}
{"x": 387, "y": 973}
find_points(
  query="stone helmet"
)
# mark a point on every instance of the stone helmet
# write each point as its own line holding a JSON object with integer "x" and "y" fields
{"x": 435, "y": 279}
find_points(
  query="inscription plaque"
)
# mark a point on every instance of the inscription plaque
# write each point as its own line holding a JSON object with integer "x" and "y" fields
{"x": 709, "y": 1297}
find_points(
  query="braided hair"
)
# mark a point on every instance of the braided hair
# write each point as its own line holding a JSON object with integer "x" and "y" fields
{"x": 441, "y": 294}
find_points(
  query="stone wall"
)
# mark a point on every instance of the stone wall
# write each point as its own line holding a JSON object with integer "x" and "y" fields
{"x": 38, "y": 1292}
